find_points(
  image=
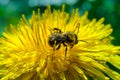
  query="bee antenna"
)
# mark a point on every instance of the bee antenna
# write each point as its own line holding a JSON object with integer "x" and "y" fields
{"x": 83, "y": 41}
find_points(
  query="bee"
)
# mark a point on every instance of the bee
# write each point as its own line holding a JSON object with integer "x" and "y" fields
{"x": 58, "y": 38}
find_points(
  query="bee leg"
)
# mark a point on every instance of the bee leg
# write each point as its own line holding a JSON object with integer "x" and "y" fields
{"x": 57, "y": 30}
{"x": 65, "y": 49}
{"x": 71, "y": 46}
{"x": 58, "y": 47}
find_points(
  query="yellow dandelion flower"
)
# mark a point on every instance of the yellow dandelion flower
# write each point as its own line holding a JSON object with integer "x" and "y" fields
{"x": 115, "y": 60}
{"x": 57, "y": 46}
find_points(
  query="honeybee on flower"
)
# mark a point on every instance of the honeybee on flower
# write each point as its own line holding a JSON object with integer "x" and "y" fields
{"x": 72, "y": 52}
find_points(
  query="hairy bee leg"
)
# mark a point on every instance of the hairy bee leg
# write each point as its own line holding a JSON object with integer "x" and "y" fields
{"x": 58, "y": 47}
{"x": 65, "y": 49}
{"x": 54, "y": 49}
{"x": 52, "y": 56}
{"x": 71, "y": 46}
{"x": 65, "y": 52}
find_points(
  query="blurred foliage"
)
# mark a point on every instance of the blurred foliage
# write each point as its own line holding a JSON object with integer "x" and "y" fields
{"x": 11, "y": 11}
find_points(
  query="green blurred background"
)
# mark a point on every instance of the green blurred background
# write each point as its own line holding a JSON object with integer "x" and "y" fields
{"x": 11, "y": 11}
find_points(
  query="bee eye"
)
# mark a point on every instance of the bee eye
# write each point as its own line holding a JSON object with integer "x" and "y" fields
{"x": 51, "y": 42}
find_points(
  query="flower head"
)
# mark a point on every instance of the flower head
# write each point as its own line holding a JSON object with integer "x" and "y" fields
{"x": 78, "y": 49}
